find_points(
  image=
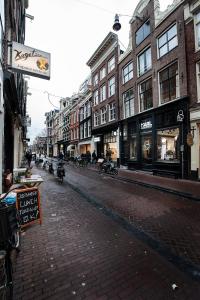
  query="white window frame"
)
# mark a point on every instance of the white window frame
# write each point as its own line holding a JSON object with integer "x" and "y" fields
{"x": 103, "y": 93}
{"x": 96, "y": 119}
{"x": 111, "y": 64}
{"x": 139, "y": 93}
{"x": 96, "y": 79}
{"x": 111, "y": 86}
{"x": 96, "y": 97}
{"x": 196, "y": 23}
{"x": 131, "y": 105}
{"x": 167, "y": 40}
{"x": 102, "y": 73}
{"x": 112, "y": 111}
{"x": 129, "y": 75}
{"x": 103, "y": 115}
{"x": 177, "y": 88}
{"x": 198, "y": 80}
{"x": 147, "y": 68}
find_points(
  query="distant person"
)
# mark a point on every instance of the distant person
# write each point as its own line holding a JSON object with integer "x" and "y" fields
{"x": 29, "y": 157}
{"x": 61, "y": 156}
{"x": 108, "y": 154}
{"x": 94, "y": 157}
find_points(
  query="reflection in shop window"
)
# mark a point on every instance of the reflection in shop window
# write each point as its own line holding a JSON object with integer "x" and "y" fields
{"x": 133, "y": 149}
{"x": 168, "y": 146}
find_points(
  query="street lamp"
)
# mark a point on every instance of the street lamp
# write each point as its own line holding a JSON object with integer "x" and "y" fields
{"x": 180, "y": 118}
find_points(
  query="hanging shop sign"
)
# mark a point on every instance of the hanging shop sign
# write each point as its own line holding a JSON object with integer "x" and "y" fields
{"x": 30, "y": 61}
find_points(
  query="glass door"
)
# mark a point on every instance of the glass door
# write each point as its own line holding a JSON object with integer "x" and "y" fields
{"x": 146, "y": 148}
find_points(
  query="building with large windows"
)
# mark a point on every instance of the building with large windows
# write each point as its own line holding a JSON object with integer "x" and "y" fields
{"x": 153, "y": 93}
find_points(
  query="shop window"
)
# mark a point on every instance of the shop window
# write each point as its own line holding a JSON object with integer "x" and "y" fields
{"x": 128, "y": 104}
{"x": 167, "y": 41}
{"x": 110, "y": 137}
{"x": 127, "y": 72}
{"x": 144, "y": 62}
{"x": 145, "y": 95}
{"x": 169, "y": 83}
{"x": 142, "y": 32}
{"x": 168, "y": 145}
{"x": 146, "y": 142}
{"x": 133, "y": 148}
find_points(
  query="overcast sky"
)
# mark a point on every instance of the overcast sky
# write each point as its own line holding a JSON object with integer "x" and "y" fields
{"x": 71, "y": 30}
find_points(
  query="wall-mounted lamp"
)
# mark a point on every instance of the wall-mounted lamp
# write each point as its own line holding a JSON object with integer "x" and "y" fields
{"x": 29, "y": 17}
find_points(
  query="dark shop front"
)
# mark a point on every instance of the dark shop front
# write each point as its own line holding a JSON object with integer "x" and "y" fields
{"x": 157, "y": 140}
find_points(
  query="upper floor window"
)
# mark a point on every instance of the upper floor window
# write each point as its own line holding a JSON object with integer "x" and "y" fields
{"x": 96, "y": 119}
{"x": 169, "y": 83}
{"x": 81, "y": 113}
{"x": 112, "y": 113}
{"x": 197, "y": 30}
{"x": 198, "y": 80}
{"x": 167, "y": 41}
{"x": 96, "y": 97}
{"x": 111, "y": 87}
{"x": 144, "y": 62}
{"x": 142, "y": 32}
{"x": 127, "y": 72}
{"x": 95, "y": 81}
{"x": 111, "y": 64}
{"x": 89, "y": 127}
{"x": 102, "y": 73}
{"x": 102, "y": 93}
{"x": 103, "y": 115}
{"x": 145, "y": 95}
{"x": 128, "y": 103}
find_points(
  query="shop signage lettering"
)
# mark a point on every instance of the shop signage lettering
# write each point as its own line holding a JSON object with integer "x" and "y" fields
{"x": 28, "y": 206}
{"x": 146, "y": 124}
{"x": 20, "y": 55}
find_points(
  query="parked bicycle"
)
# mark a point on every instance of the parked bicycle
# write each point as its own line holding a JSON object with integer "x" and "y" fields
{"x": 107, "y": 167}
{"x": 9, "y": 240}
{"x": 60, "y": 170}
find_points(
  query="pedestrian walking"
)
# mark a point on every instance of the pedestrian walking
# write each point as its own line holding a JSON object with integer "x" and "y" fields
{"x": 29, "y": 157}
{"x": 94, "y": 157}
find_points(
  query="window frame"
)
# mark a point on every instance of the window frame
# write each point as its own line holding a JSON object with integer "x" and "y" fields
{"x": 110, "y": 87}
{"x": 167, "y": 40}
{"x": 112, "y": 111}
{"x": 102, "y": 73}
{"x": 96, "y": 97}
{"x": 102, "y": 93}
{"x": 96, "y": 79}
{"x": 111, "y": 65}
{"x": 103, "y": 111}
{"x": 140, "y": 93}
{"x": 196, "y": 23}
{"x": 144, "y": 51}
{"x": 144, "y": 36}
{"x": 198, "y": 80}
{"x": 125, "y": 115}
{"x": 128, "y": 74}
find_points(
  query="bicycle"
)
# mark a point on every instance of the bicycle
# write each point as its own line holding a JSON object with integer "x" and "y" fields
{"x": 9, "y": 240}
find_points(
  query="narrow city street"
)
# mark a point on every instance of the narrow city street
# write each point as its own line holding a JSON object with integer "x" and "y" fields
{"x": 102, "y": 238}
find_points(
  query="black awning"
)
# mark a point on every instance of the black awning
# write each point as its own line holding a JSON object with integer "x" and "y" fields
{"x": 105, "y": 129}
{"x": 10, "y": 92}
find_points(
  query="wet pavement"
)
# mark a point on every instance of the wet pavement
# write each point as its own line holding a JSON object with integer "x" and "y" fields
{"x": 106, "y": 239}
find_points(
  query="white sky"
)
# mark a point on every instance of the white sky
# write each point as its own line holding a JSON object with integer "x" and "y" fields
{"x": 71, "y": 30}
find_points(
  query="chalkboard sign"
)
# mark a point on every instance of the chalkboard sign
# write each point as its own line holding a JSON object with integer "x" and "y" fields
{"x": 28, "y": 206}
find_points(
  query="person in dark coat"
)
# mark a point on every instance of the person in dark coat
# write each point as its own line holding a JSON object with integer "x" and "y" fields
{"x": 94, "y": 157}
{"x": 29, "y": 157}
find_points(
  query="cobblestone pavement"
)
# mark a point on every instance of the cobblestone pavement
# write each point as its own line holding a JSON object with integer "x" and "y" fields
{"x": 82, "y": 252}
{"x": 168, "y": 222}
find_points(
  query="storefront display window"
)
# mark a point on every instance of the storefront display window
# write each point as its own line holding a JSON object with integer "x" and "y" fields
{"x": 146, "y": 142}
{"x": 168, "y": 146}
{"x": 133, "y": 148}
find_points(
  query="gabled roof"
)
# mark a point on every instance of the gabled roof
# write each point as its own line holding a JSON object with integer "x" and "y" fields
{"x": 110, "y": 38}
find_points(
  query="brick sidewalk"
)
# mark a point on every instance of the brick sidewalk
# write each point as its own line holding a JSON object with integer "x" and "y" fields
{"x": 80, "y": 253}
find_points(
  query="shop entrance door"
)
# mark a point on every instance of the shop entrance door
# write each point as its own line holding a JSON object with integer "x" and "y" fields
{"x": 146, "y": 149}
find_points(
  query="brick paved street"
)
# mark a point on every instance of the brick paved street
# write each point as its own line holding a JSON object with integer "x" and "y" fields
{"x": 81, "y": 251}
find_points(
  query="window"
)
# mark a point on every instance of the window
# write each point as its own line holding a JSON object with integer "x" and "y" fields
{"x": 111, "y": 111}
{"x": 96, "y": 97}
{"x": 111, "y": 64}
{"x": 167, "y": 41}
{"x": 198, "y": 80}
{"x": 145, "y": 95}
{"x": 102, "y": 93}
{"x": 128, "y": 104}
{"x": 127, "y": 72}
{"x": 96, "y": 119}
{"x": 144, "y": 62}
{"x": 103, "y": 115}
{"x": 197, "y": 30}
{"x": 81, "y": 114}
{"x": 142, "y": 33}
{"x": 95, "y": 82}
{"x": 81, "y": 131}
{"x": 89, "y": 128}
{"x": 111, "y": 87}
{"x": 169, "y": 85}
{"x": 133, "y": 148}
{"x": 102, "y": 73}
{"x": 85, "y": 130}
{"x": 168, "y": 145}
